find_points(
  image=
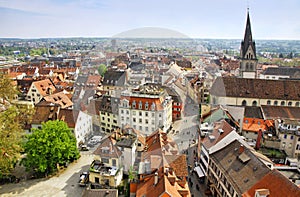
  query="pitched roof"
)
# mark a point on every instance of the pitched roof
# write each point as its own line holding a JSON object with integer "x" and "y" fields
{"x": 114, "y": 78}
{"x": 256, "y": 88}
{"x": 108, "y": 144}
{"x": 178, "y": 164}
{"x": 164, "y": 186}
{"x": 59, "y": 98}
{"x": 253, "y": 112}
{"x": 273, "y": 112}
{"x": 241, "y": 169}
{"x": 100, "y": 193}
{"x": 286, "y": 71}
{"x": 221, "y": 130}
{"x": 276, "y": 183}
{"x": 43, "y": 86}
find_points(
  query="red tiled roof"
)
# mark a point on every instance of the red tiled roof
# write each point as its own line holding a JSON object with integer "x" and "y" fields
{"x": 277, "y": 184}
{"x": 255, "y": 124}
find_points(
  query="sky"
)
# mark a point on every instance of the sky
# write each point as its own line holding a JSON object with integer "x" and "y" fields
{"x": 224, "y": 19}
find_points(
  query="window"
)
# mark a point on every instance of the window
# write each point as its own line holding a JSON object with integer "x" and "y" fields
{"x": 140, "y": 113}
{"x": 275, "y": 102}
{"x": 140, "y": 127}
{"x": 114, "y": 163}
{"x": 297, "y": 104}
{"x": 127, "y": 111}
{"x": 146, "y": 106}
{"x": 134, "y": 120}
{"x": 97, "y": 180}
{"x": 105, "y": 160}
{"x": 254, "y": 103}
{"x": 133, "y": 113}
{"x": 290, "y": 103}
{"x": 140, "y": 120}
{"x": 284, "y": 136}
{"x": 146, "y": 121}
{"x": 268, "y": 102}
{"x": 122, "y": 111}
{"x": 282, "y": 103}
{"x": 244, "y": 103}
{"x": 146, "y": 114}
{"x": 140, "y": 105}
{"x": 133, "y": 104}
{"x": 292, "y": 137}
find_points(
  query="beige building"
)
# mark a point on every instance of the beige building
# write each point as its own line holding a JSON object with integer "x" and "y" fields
{"x": 40, "y": 89}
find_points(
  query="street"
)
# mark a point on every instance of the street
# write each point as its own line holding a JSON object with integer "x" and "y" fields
{"x": 65, "y": 184}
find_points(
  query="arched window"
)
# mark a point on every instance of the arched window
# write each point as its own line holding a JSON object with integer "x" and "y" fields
{"x": 268, "y": 102}
{"x": 275, "y": 102}
{"x": 282, "y": 103}
{"x": 244, "y": 103}
{"x": 252, "y": 66}
{"x": 290, "y": 103}
{"x": 247, "y": 66}
{"x": 254, "y": 103}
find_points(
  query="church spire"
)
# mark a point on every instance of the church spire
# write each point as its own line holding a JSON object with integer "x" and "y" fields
{"x": 248, "y": 42}
{"x": 248, "y": 58}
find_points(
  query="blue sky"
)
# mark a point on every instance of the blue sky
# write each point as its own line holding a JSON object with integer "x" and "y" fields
{"x": 271, "y": 19}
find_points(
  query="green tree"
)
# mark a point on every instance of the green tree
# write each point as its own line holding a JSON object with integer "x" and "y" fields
{"x": 102, "y": 69}
{"x": 11, "y": 131}
{"x": 54, "y": 144}
{"x": 11, "y": 134}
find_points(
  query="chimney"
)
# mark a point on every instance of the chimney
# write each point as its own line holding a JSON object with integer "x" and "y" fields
{"x": 242, "y": 148}
{"x": 155, "y": 178}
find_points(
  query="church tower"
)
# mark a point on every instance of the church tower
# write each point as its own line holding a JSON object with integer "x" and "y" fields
{"x": 248, "y": 58}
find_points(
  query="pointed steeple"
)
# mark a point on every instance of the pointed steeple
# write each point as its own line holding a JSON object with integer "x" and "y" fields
{"x": 247, "y": 42}
{"x": 248, "y": 58}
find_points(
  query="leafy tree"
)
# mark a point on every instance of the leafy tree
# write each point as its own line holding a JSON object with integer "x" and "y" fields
{"x": 11, "y": 131}
{"x": 102, "y": 69}
{"x": 132, "y": 174}
{"x": 54, "y": 144}
{"x": 11, "y": 134}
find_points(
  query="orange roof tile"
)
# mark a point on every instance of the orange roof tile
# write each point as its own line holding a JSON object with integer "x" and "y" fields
{"x": 276, "y": 183}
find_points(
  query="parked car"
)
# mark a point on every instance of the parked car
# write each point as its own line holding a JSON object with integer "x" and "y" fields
{"x": 84, "y": 179}
{"x": 84, "y": 148}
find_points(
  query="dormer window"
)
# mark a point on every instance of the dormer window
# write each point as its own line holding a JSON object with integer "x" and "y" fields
{"x": 140, "y": 105}
{"x": 134, "y": 104}
{"x": 153, "y": 106}
{"x": 146, "y": 106}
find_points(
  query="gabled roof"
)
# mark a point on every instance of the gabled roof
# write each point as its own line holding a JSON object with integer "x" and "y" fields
{"x": 276, "y": 183}
{"x": 109, "y": 145}
{"x": 45, "y": 111}
{"x": 114, "y": 78}
{"x": 285, "y": 71}
{"x": 256, "y": 88}
{"x": 43, "y": 86}
{"x": 240, "y": 166}
{"x": 59, "y": 98}
{"x": 163, "y": 187}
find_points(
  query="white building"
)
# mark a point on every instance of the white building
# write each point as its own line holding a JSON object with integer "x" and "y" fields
{"x": 146, "y": 109}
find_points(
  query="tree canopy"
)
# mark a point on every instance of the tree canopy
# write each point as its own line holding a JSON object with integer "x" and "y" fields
{"x": 11, "y": 131}
{"x": 54, "y": 144}
{"x": 102, "y": 69}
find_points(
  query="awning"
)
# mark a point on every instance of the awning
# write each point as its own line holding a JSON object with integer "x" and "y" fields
{"x": 199, "y": 171}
